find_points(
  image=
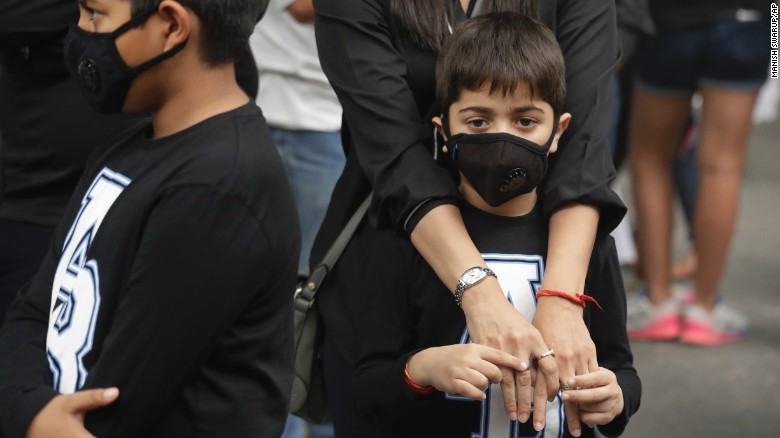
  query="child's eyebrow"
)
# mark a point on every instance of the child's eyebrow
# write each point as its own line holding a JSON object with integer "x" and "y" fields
{"x": 478, "y": 109}
{"x": 526, "y": 108}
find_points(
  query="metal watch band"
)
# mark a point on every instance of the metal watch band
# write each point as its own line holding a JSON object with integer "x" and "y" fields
{"x": 463, "y": 284}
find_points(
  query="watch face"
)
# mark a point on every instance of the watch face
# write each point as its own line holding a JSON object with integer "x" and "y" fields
{"x": 473, "y": 275}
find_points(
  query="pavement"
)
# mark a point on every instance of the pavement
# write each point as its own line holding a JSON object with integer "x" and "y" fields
{"x": 730, "y": 390}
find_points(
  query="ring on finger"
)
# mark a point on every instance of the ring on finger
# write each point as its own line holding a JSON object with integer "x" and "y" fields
{"x": 567, "y": 387}
{"x": 549, "y": 352}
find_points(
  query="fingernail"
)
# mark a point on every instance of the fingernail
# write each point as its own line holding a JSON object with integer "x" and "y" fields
{"x": 571, "y": 381}
{"x": 110, "y": 393}
{"x": 513, "y": 416}
{"x": 565, "y": 396}
{"x": 575, "y": 432}
{"x": 538, "y": 426}
{"x": 523, "y": 366}
{"x": 523, "y": 418}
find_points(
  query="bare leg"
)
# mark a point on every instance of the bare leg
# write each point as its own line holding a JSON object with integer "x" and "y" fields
{"x": 724, "y": 136}
{"x": 655, "y": 132}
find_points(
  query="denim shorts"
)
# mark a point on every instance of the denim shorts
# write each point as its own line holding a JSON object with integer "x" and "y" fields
{"x": 728, "y": 54}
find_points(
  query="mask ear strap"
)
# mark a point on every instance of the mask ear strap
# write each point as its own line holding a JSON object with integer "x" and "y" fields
{"x": 134, "y": 21}
{"x": 554, "y": 131}
{"x": 158, "y": 59}
{"x": 445, "y": 124}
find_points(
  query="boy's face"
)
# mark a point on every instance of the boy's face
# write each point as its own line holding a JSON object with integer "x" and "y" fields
{"x": 104, "y": 16}
{"x": 480, "y": 112}
{"x": 135, "y": 46}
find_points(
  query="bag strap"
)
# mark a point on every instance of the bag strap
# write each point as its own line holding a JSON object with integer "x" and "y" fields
{"x": 304, "y": 294}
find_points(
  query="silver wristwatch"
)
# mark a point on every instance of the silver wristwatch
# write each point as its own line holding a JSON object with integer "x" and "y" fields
{"x": 469, "y": 278}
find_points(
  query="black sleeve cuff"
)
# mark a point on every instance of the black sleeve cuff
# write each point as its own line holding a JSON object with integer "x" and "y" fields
{"x": 422, "y": 209}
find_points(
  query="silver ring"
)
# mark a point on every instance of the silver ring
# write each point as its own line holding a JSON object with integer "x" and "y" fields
{"x": 546, "y": 353}
{"x": 566, "y": 387}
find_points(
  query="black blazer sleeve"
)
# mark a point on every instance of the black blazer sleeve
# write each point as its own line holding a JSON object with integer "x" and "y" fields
{"x": 581, "y": 170}
{"x": 387, "y": 130}
{"x": 608, "y": 330}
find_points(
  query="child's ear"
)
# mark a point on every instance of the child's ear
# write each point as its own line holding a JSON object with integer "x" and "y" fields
{"x": 437, "y": 122}
{"x": 177, "y": 19}
{"x": 563, "y": 123}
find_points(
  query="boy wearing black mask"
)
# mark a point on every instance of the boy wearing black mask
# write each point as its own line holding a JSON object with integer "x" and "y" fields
{"x": 163, "y": 306}
{"x": 500, "y": 79}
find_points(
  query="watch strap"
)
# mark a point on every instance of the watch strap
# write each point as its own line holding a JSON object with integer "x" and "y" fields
{"x": 462, "y": 285}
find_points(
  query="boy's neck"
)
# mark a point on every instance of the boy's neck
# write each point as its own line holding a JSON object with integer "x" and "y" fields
{"x": 196, "y": 97}
{"x": 518, "y": 206}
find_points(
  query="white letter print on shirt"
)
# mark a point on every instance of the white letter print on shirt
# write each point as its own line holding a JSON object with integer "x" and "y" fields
{"x": 520, "y": 276}
{"x": 75, "y": 299}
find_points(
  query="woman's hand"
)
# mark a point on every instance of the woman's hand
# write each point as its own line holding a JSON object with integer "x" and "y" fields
{"x": 465, "y": 369}
{"x": 560, "y": 323}
{"x": 572, "y": 233}
{"x": 600, "y": 400}
{"x": 493, "y": 321}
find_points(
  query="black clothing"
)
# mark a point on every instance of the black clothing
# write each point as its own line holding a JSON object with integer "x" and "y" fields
{"x": 408, "y": 309}
{"x": 677, "y": 15}
{"x": 338, "y": 378}
{"x": 47, "y": 127}
{"x": 22, "y": 248}
{"x": 386, "y": 85}
{"x": 169, "y": 277}
{"x": 48, "y": 130}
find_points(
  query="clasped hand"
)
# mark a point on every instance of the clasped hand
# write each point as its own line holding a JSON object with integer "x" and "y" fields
{"x": 63, "y": 416}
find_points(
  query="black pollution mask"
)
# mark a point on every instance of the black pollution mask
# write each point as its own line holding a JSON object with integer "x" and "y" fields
{"x": 94, "y": 61}
{"x": 500, "y": 166}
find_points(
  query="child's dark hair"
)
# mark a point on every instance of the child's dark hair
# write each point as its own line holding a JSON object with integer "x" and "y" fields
{"x": 226, "y": 25}
{"x": 504, "y": 49}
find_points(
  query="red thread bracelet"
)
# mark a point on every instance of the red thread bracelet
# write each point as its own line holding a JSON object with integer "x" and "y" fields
{"x": 580, "y": 299}
{"x": 423, "y": 390}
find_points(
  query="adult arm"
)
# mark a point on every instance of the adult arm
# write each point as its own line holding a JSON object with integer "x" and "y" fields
{"x": 387, "y": 129}
{"x": 576, "y": 194}
{"x": 202, "y": 261}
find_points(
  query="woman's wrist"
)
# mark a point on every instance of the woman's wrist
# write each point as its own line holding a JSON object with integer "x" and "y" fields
{"x": 482, "y": 296}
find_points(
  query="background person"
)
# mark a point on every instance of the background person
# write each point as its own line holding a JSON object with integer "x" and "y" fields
{"x": 719, "y": 49}
{"x": 304, "y": 118}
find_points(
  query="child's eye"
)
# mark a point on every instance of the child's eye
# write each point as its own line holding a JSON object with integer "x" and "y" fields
{"x": 526, "y": 122}
{"x": 477, "y": 123}
{"x": 93, "y": 14}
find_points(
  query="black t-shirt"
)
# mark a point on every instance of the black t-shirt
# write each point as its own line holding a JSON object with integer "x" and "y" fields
{"x": 169, "y": 277}
{"x": 406, "y": 309}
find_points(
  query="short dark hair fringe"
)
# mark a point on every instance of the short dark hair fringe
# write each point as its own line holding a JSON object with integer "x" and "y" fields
{"x": 504, "y": 49}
